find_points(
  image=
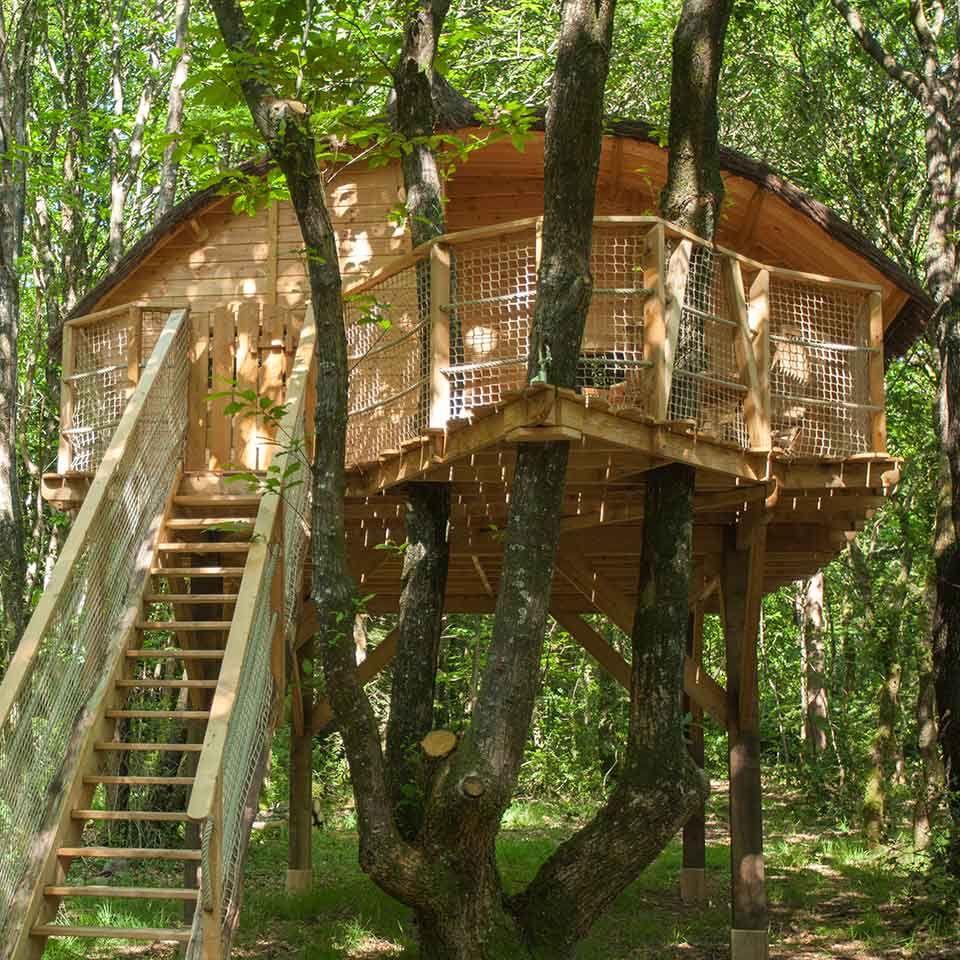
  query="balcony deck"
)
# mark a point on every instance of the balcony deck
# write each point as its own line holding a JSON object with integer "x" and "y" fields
{"x": 768, "y": 381}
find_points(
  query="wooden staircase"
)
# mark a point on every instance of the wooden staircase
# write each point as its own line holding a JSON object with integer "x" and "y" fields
{"x": 171, "y": 670}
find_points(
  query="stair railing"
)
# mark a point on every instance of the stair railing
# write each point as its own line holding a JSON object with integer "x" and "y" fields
{"x": 71, "y": 648}
{"x": 248, "y": 697}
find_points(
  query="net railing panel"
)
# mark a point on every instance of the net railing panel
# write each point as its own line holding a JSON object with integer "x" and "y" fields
{"x": 99, "y": 383}
{"x": 611, "y": 359}
{"x": 74, "y": 636}
{"x": 820, "y": 350}
{"x": 493, "y": 289}
{"x": 707, "y": 387}
{"x": 388, "y": 349}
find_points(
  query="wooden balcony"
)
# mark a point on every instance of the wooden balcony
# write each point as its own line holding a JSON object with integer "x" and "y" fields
{"x": 680, "y": 333}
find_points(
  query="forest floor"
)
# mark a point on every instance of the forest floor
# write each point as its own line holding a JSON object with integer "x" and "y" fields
{"x": 830, "y": 897}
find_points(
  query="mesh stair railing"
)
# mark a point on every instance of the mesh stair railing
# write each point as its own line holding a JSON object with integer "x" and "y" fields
{"x": 76, "y": 636}
{"x": 246, "y": 703}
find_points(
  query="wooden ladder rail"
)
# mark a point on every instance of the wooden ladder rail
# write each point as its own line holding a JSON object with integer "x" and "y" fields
{"x": 206, "y": 798}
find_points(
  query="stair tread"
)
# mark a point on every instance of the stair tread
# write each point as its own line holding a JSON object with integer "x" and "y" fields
{"x": 185, "y": 546}
{"x": 169, "y": 684}
{"x": 192, "y": 625}
{"x": 196, "y": 571}
{"x": 141, "y": 745}
{"x": 122, "y": 893}
{"x": 159, "y": 714}
{"x": 160, "y": 815}
{"x": 129, "y": 853}
{"x": 204, "y": 523}
{"x": 191, "y": 598}
{"x": 180, "y": 935}
{"x": 146, "y": 653}
{"x": 141, "y": 781}
{"x": 198, "y": 499}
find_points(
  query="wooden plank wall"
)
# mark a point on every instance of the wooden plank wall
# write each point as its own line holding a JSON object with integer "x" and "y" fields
{"x": 246, "y": 346}
{"x": 222, "y": 259}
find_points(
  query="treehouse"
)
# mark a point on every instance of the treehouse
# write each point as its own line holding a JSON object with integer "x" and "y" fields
{"x": 153, "y": 672}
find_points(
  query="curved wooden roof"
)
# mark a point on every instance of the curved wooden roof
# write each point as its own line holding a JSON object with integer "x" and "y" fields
{"x": 764, "y": 216}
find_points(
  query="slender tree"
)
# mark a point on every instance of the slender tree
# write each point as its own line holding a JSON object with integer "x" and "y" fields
{"x": 17, "y": 40}
{"x": 929, "y": 72}
{"x": 814, "y": 685}
{"x": 170, "y": 171}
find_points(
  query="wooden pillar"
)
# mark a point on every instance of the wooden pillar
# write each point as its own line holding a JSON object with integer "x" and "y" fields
{"x": 742, "y": 592}
{"x": 693, "y": 873}
{"x": 300, "y": 842}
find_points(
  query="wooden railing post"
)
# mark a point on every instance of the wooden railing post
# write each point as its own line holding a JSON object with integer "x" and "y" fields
{"x": 439, "y": 336}
{"x": 212, "y": 880}
{"x": 750, "y": 360}
{"x": 655, "y": 340}
{"x": 68, "y": 362}
{"x": 878, "y": 424}
{"x": 134, "y": 345}
{"x": 758, "y": 317}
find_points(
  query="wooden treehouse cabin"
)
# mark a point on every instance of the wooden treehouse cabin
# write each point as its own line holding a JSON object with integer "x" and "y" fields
{"x": 136, "y": 716}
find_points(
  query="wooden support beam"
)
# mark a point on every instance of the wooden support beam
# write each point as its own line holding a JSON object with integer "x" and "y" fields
{"x": 439, "y": 265}
{"x": 696, "y": 681}
{"x": 376, "y": 660}
{"x": 742, "y": 591}
{"x": 756, "y": 406}
{"x": 693, "y": 874}
{"x": 878, "y": 426}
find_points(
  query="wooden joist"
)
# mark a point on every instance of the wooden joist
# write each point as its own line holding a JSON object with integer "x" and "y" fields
{"x": 216, "y": 571}
{"x": 121, "y": 746}
{"x": 158, "y": 714}
{"x": 128, "y": 853}
{"x": 140, "y": 781}
{"x": 140, "y": 653}
{"x": 158, "y": 934}
{"x": 191, "y": 626}
{"x": 121, "y": 893}
{"x": 164, "y": 816}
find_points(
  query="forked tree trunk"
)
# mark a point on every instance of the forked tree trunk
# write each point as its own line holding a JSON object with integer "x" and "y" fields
{"x": 170, "y": 170}
{"x": 929, "y": 784}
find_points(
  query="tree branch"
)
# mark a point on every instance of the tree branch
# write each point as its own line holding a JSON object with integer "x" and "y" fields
{"x": 906, "y": 78}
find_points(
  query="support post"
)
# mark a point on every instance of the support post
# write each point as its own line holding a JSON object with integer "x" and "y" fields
{"x": 300, "y": 837}
{"x": 693, "y": 873}
{"x": 213, "y": 882}
{"x": 758, "y": 319}
{"x": 134, "y": 342}
{"x": 878, "y": 418}
{"x": 439, "y": 412}
{"x": 655, "y": 341}
{"x": 64, "y": 454}
{"x": 742, "y": 592}
{"x": 750, "y": 356}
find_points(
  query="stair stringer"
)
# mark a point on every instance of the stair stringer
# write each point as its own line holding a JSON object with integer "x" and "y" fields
{"x": 92, "y": 726}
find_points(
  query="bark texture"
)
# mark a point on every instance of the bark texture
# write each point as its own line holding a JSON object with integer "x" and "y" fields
{"x": 15, "y": 65}
{"x": 424, "y": 585}
{"x": 170, "y": 171}
{"x": 815, "y": 690}
{"x": 694, "y": 189}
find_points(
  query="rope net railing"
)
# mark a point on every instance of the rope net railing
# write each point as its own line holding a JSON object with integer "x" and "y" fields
{"x": 820, "y": 353}
{"x": 246, "y": 702}
{"x": 388, "y": 350}
{"x": 69, "y": 650}
{"x": 708, "y": 387}
{"x": 784, "y": 366}
{"x": 104, "y": 355}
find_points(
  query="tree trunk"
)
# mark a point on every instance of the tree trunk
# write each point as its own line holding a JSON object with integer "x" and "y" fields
{"x": 815, "y": 705}
{"x": 930, "y": 778}
{"x": 15, "y": 67}
{"x": 170, "y": 170}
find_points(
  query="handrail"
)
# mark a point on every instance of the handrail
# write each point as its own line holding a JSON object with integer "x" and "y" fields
{"x": 211, "y": 758}
{"x": 517, "y": 226}
{"x": 89, "y": 318}
{"x": 99, "y": 490}
{"x": 54, "y": 693}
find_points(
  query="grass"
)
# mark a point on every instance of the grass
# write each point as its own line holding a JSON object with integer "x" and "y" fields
{"x": 830, "y": 897}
